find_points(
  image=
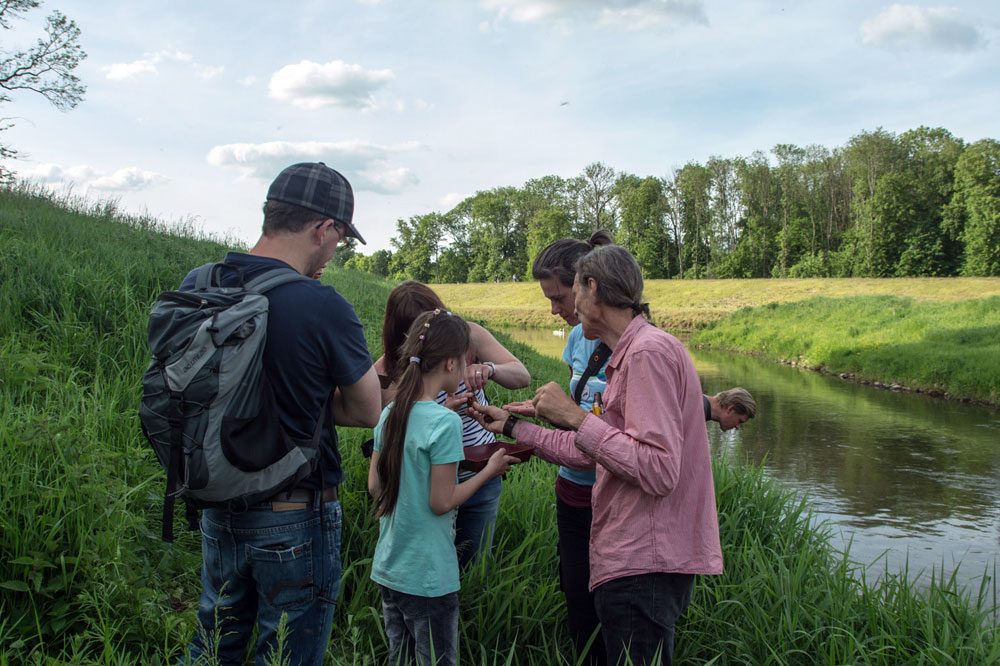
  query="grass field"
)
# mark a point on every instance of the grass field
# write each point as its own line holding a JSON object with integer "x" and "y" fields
{"x": 694, "y": 304}
{"x": 84, "y": 578}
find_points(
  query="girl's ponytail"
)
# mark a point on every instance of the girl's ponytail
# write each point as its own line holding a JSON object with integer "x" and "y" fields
{"x": 434, "y": 337}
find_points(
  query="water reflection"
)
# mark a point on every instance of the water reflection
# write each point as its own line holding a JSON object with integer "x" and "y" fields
{"x": 905, "y": 478}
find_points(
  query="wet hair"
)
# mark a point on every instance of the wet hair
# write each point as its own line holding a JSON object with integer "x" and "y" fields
{"x": 618, "y": 277}
{"x": 408, "y": 300}
{"x": 740, "y": 400}
{"x": 285, "y": 217}
{"x": 559, "y": 258}
{"x": 433, "y": 338}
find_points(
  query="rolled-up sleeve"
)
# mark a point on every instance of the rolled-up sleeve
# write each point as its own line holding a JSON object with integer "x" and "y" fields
{"x": 647, "y": 452}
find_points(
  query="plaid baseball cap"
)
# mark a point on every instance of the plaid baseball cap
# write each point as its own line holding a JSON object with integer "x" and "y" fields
{"x": 315, "y": 186}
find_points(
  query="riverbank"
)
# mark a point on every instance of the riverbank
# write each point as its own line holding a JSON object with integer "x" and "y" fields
{"x": 939, "y": 336}
{"x": 949, "y": 349}
{"x": 85, "y": 579}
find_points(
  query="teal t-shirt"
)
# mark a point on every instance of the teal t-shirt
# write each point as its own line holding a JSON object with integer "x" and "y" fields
{"x": 415, "y": 553}
{"x": 577, "y": 355}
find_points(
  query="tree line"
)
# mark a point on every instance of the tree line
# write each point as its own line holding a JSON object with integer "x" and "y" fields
{"x": 919, "y": 203}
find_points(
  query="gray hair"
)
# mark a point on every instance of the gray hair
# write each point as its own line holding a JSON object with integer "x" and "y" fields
{"x": 618, "y": 277}
{"x": 739, "y": 399}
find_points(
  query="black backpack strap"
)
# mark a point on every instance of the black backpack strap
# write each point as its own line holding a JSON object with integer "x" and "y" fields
{"x": 173, "y": 466}
{"x": 597, "y": 361}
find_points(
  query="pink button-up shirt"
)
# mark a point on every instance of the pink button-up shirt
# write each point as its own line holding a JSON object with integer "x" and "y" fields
{"x": 654, "y": 499}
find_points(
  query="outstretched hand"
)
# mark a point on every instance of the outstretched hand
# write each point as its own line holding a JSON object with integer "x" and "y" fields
{"x": 490, "y": 417}
{"x": 554, "y": 406}
{"x": 457, "y": 402}
{"x": 524, "y": 408}
{"x": 499, "y": 463}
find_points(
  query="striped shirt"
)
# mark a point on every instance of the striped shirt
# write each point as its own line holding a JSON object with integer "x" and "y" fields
{"x": 473, "y": 434}
{"x": 654, "y": 498}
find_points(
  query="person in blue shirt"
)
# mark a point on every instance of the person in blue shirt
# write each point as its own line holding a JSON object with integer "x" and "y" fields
{"x": 555, "y": 268}
{"x": 412, "y": 476}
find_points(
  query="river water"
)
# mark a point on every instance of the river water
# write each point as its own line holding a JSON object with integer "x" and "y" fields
{"x": 906, "y": 480}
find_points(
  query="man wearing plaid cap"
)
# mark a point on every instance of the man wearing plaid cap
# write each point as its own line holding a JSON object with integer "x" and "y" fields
{"x": 282, "y": 556}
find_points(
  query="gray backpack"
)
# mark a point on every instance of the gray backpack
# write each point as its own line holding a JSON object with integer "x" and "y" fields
{"x": 207, "y": 407}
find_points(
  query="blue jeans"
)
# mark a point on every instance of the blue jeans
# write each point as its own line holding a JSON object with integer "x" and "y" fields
{"x": 475, "y": 522}
{"x": 418, "y": 627}
{"x": 260, "y": 565}
{"x": 638, "y": 613}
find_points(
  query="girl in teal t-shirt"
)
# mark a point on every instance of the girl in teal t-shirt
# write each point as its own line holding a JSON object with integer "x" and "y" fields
{"x": 418, "y": 444}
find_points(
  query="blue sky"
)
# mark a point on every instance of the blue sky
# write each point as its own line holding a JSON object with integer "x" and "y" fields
{"x": 193, "y": 107}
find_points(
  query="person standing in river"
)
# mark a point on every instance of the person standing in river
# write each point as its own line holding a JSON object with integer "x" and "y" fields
{"x": 555, "y": 269}
{"x": 655, "y": 524}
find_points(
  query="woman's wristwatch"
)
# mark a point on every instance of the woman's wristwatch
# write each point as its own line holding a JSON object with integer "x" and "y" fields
{"x": 492, "y": 366}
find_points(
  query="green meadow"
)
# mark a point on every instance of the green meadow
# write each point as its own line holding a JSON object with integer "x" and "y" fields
{"x": 84, "y": 578}
{"x": 937, "y": 335}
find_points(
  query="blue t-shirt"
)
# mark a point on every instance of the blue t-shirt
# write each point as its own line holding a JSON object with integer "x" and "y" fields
{"x": 415, "y": 553}
{"x": 315, "y": 343}
{"x": 577, "y": 355}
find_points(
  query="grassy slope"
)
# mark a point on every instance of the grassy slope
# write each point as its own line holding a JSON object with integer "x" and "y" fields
{"x": 84, "y": 578}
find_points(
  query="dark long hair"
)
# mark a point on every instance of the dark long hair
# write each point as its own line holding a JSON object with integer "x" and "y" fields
{"x": 559, "y": 258}
{"x": 405, "y": 303}
{"x": 433, "y": 338}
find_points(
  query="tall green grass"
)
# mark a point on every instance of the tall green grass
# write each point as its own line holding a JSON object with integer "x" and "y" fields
{"x": 84, "y": 578}
{"x": 951, "y": 347}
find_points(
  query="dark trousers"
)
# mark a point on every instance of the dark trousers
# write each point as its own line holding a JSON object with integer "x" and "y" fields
{"x": 574, "y": 579}
{"x": 420, "y": 629}
{"x": 638, "y": 613}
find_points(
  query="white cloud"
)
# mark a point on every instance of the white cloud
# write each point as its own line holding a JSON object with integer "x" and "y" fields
{"x": 365, "y": 164}
{"x": 149, "y": 64}
{"x": 628, "y": 14}
{"x": 450, "y": 200}
{"x": 85, "y": 177}
{"x": 209, "y": 72}
{"x": 908, "y": 27}
{"x": 311, "y": 85}
{"x": 248, "y": 80}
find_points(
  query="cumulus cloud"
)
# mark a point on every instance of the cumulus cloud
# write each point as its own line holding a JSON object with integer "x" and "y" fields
{"x": 150, "y": 63}
{"x": 450, "y": 200}
{"x": 312, "y": 85}
{"x": 367, "y": 165}
{"x": 85, "y": 177}
{"x": 908, "y": 27}
{"x": 627, "y": 14}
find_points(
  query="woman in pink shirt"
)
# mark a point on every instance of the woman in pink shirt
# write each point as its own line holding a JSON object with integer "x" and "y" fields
{"x": 655, "y": 522}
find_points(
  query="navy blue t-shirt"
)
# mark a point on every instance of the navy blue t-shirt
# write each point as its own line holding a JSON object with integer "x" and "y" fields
{"x": 315, "y": 343}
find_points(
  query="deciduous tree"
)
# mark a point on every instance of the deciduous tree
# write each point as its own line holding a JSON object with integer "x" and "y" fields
{"x": 45, "y": 68}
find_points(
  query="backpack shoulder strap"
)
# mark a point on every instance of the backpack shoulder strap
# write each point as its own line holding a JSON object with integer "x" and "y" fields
{"x": 275, "y": 277}
{"x": 208, "y": 276}
{"x": 597, "y": 361}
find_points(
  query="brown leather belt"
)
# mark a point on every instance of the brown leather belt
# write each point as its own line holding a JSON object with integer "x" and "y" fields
{"x": 297, "y": 499}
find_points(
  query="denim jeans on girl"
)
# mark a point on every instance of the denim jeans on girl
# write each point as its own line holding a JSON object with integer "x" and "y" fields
{"x": 638, "y": 613}
{"x": 475, "y": 522}
{"x": 260, "y": 564}
{"x": 419, "y": 627}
